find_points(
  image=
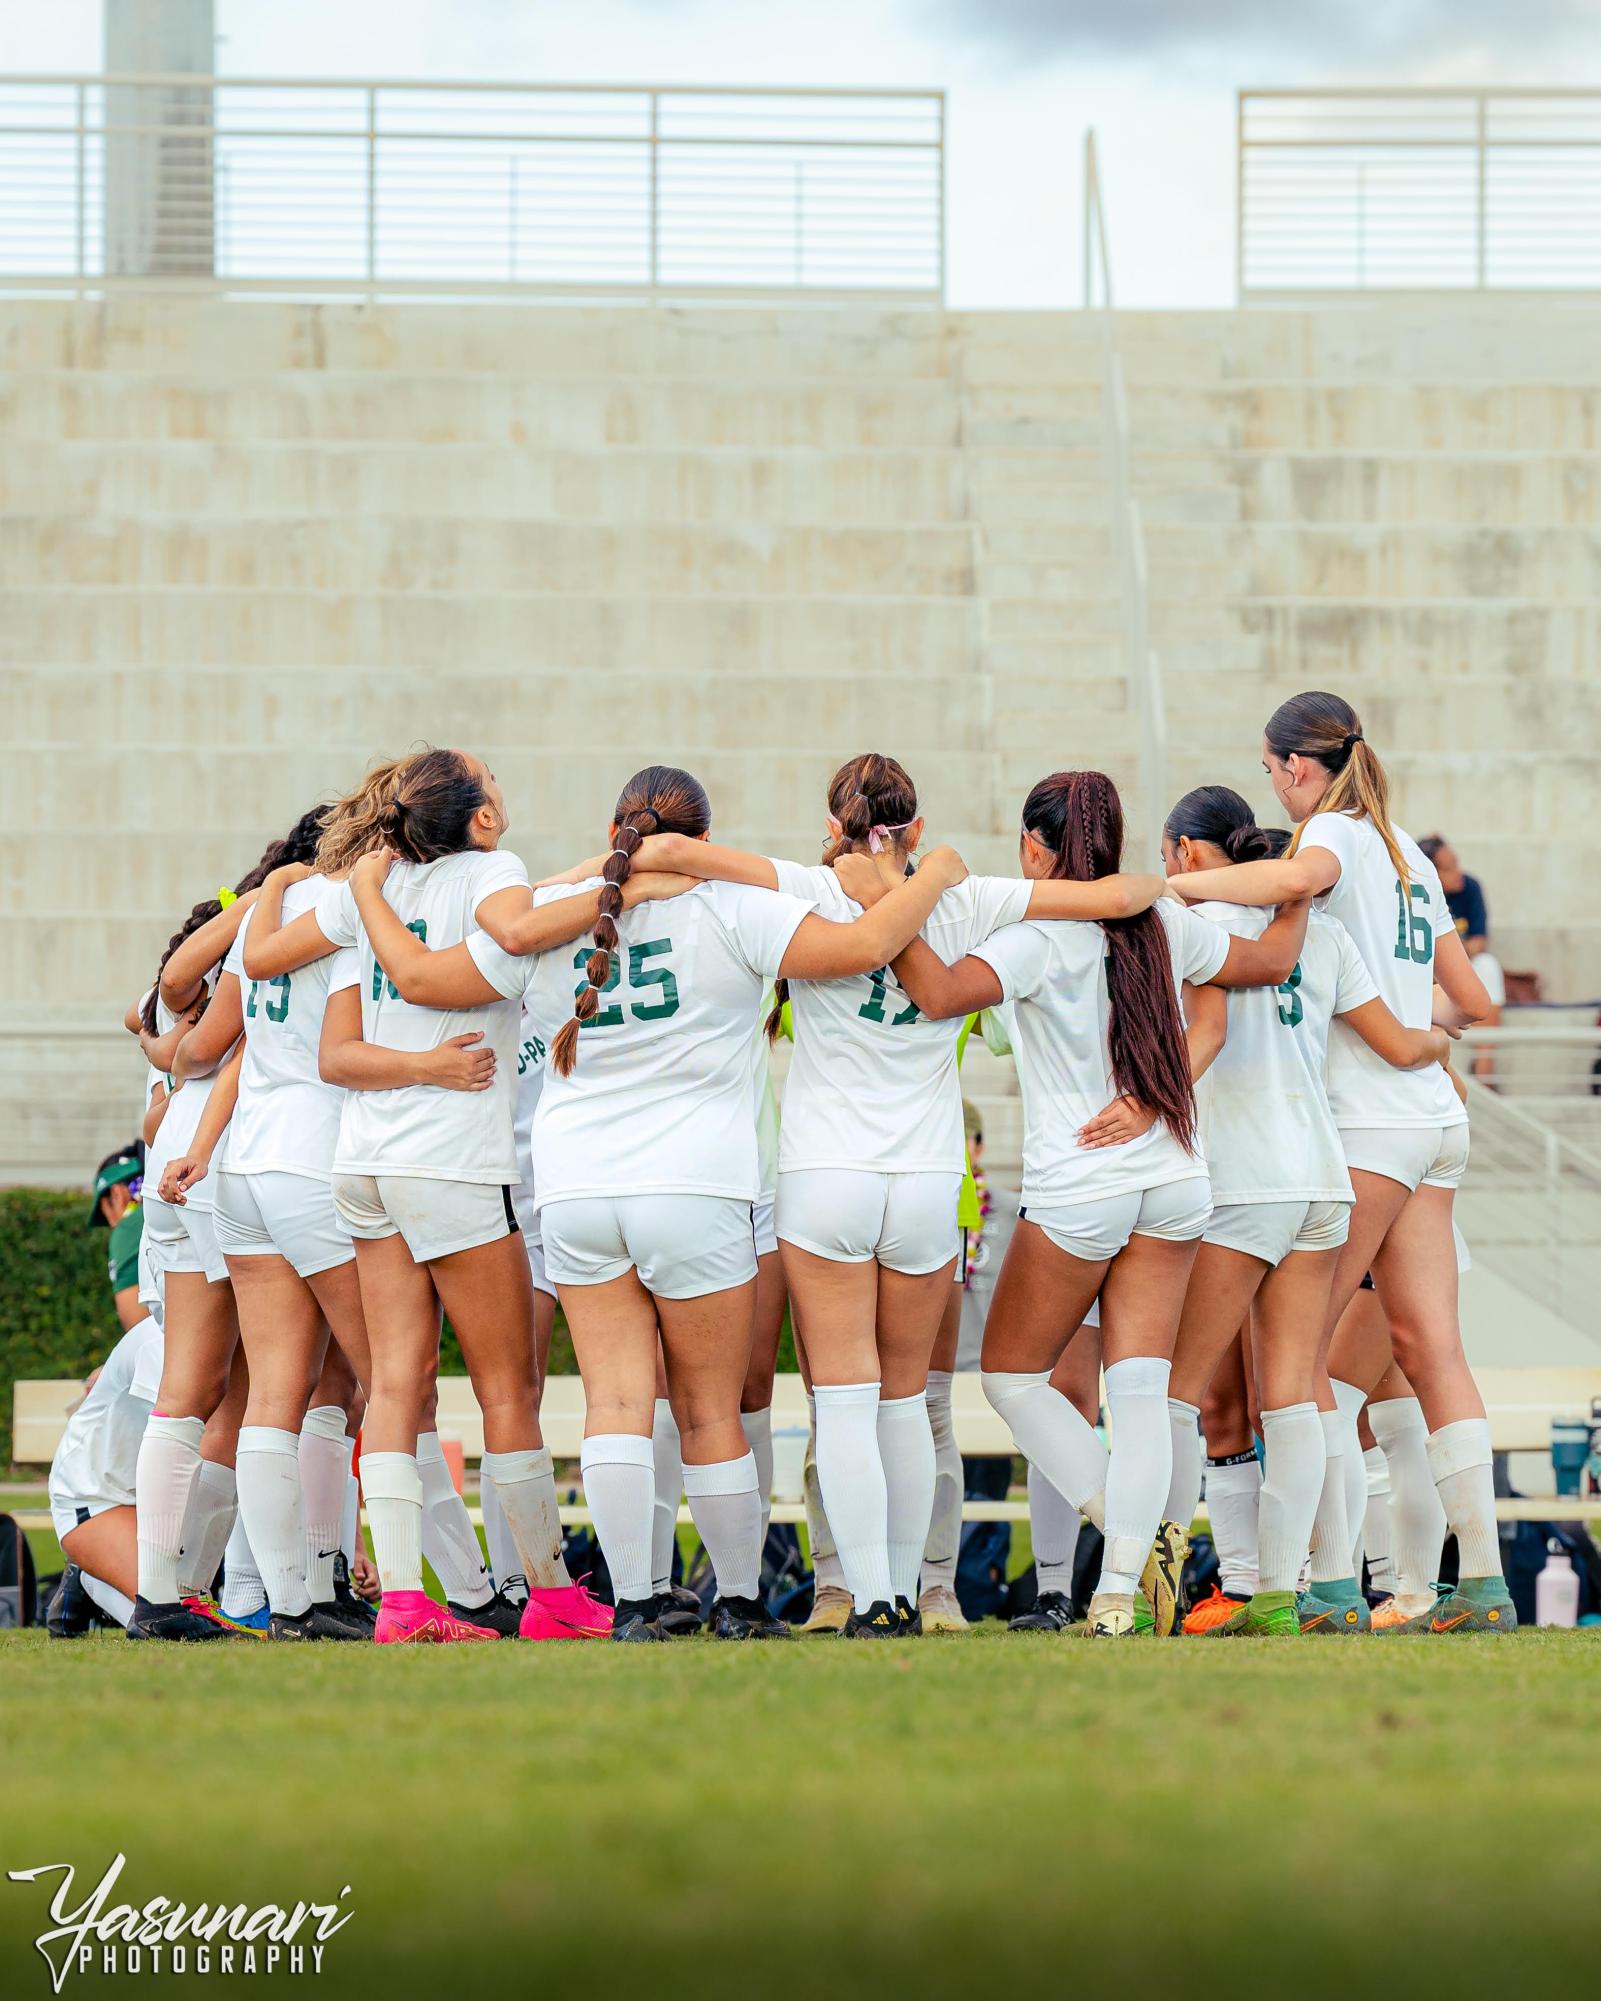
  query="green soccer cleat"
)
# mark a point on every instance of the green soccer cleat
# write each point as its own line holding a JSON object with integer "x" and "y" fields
{"x": 1269, "y": 1615}
{"x": 1475, "y": 1605}
{"x": 1320, "y": 1615}
{"x": 1160, "y": 1578}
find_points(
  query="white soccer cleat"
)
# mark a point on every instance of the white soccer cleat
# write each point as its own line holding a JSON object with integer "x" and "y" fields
{"x": 941, "y": 1611}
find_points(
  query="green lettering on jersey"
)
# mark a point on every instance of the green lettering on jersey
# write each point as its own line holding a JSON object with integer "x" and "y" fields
{"x": 1414, "y": 934}
{"x": 1293, "y": 1014}
{"x": 418, "y": 927}
{"x": 872, "y": 1009}
{"x": 640, "y": 976}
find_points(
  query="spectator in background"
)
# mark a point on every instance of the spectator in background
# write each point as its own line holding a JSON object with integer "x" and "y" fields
{"x": 1465, "y": 900}
{"x": 115, "y": 1206}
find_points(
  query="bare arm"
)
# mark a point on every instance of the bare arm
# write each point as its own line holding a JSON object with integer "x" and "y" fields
{"x": 155, "y": 1112}
{"x": 1051, "y": 897}
{"x": 464, "y": 1063}
{"x": 200, "y": 951}
{"x": 134, "y": 1019}
{"x": 1467, "y": 1001}
{"x": 1267, "y": 961}
{"x": 1206, "y": 1015}
{"x": 192, "y": 1167}
{"x": 679, "y": 854}
{"x": 1406, "y": 1048}
{"x": 159, "y": 1050}
{"x": 274, "y": 947}
{"x": 823, "y": 950}
{"x": 941, "y": 991}
{"x": 1309, "y": 873}
{"x": 213, "y": 1035}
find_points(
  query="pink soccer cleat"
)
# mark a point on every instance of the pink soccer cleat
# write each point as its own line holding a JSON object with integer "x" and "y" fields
{"x": 412, "y": 1618}
{"x": 565, "y": 1612}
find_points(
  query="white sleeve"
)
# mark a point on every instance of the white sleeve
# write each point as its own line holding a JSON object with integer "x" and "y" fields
{"x": 506, "y": 972}
{"x": 345, "y": 970}
{"x": 337, "y": 917}
{"x": 993, "y": 902}
{"x": 1199, "y": 946}
{"x": 1335, "y": 831}
{"x": 1019, "y": 957}
{"x": 235, "y": 961}
{"x": 499, "y": 870}
{"x": 816, "y": 885}
{"x": 760, "y": 923}
{"x": 1439, "y": 910}
{"x": 1353, "y": 983}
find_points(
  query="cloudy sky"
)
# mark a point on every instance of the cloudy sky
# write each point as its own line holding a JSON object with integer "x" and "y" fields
{"x": 1156, "y": 78}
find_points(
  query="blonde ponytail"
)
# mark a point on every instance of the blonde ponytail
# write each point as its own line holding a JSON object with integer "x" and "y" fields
{"x": 1326, "y": 727}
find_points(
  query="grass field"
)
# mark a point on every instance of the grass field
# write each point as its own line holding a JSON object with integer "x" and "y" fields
{"x": 1026, "y": 1813}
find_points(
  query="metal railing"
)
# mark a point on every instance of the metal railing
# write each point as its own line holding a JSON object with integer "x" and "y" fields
{"x": 1146, "y": 704}
{"x": 1531, "y": 1204}
{"x": 319, "y": 187}
{"x": 1407, "y": 190}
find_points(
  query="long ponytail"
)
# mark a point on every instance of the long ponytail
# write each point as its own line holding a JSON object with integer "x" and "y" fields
{"x": 1326, "y": 727}
{"x": 1078, "y": 817}
{"x": 659, "y": 799}
{"x": 352, "y": 828}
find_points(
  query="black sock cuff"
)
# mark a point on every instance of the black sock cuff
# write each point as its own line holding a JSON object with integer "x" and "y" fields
{"x": 1233, "y": 1459}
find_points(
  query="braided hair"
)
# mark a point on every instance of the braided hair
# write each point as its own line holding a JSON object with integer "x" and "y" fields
{"x": 1078, "y": 817}
{"x": 659, "y": 799}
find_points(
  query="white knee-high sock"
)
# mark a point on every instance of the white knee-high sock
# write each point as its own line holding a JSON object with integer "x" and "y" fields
{"x": 944, "y": 1540}
{"x": 207, "y": 1524}
{"x": 1189, "y": 1461}
{"x": 524, "y": 1485}
{"x": 269, "y": 1507}
{"x": 505, "y": 1565}
{"x": 324, "y": 1471}
{"x": 906, "y": 1448}
{"x": 164, "y": 1477}
{"x": 1376, "y": 1520}
{"x": 1348, "y": 1401}
{"x": 757, "y": 1426}
{"x": 350, "y": 1520}
{"x": 1054, "y": 1524}
{"x": 1296, "y": 1455}
{"x": 1462, "y": 1464}
{"x": 726, "y": 1504}
{"x": 1331, "y": 1533}
{"x": 393, "y": 1487}
{"x": 1141, "y": 1468}
{"x": 850, "y": 1477}
{"x": 1052, "y": 1435}
{"x": 450, "y": 1541}
{"x": 114, "y": 1603}
{"x": 1417, "y": 1517}
{"x": 1233, "y": 1505}
{"x": 243, "y": 1592}
{"x": 828, "y": 1573}
{"x": 619, "y": 1471}
{"x": 667, "y": 1458}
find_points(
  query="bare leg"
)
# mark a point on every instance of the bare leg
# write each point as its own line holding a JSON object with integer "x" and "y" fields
{"x": 107, "y": 1547}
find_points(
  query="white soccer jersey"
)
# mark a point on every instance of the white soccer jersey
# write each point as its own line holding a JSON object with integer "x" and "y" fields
{"x": 661, "y": 1099}
{"x": 874, "y": 1084}
{"x": 1265, "y": 1120}
{"x": 1054, "y": 977}
{"x": 424, "y": 1129}
{"x": 761, "y": 1087}
{"x": 533, "y": 1050}
{"x": 287, "y": 1119}
{"x": 95, "y": 1461}
{"x": 178, "y": 1127}
{"x": 1394, "y": 925}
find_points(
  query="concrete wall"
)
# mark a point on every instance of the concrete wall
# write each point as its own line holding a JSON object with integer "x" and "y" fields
{"x": 245, "y": 548}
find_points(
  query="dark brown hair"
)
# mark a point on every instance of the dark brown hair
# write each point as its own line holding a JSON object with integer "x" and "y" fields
{"x": 1218, "y": 815}
{"x": 430, "y": 811}
{"x": 1327, "y": 728}
{"x": 1078, "y": 816}
{"x": 659, "y": 799}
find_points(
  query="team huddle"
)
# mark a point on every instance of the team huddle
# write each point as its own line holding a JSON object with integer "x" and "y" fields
{"x": 390, "y": 1080}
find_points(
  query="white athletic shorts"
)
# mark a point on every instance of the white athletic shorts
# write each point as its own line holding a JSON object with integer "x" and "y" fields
{"x": 150, "y": 1268}
{"x": 436, "y": 1218}
{"x": 761, "y": 1218}
{"x": 1433, "y": 1156}
{"x": 185, "y": 1239}
{"x": 534, "y": 1245}
{"x": 1177, "y": 1211}
{"x": 1271, "y": 1230}
{"x": 681, "y": 1246}
{"x": 907, "y": 1222}
{"x": 281, "y": 1215}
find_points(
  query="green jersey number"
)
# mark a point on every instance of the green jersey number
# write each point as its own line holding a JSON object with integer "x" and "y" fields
{"x": 872, "y": 1009}
{"x": 1414, "y": 933}
{"x": 274, "y": 1010}
{"x": 1291, "y": 1012}
{"x": 418, "y": 927}
{"x": 640, "y": 976}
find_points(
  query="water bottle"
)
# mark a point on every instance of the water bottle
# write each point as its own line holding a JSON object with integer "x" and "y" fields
{"x": 1556, "y": 1589}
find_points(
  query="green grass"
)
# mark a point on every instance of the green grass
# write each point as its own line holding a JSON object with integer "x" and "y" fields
{"x": 1001, "y": 1813}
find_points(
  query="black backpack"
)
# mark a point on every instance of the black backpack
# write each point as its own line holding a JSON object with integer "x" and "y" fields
{"x": 19, "y": 1587}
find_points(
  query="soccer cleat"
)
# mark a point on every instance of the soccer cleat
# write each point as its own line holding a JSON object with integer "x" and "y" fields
{"x": 1052, "y": 1613}
{"x": 1163, "y": 1569}
{"x": 350, "y": 1601}
{"x": 1111, "y": 1617}
{"x": 358, "y": 1625}
{"x": 412, "y": 1618}
{"x": 879, "y": 1622}
{"x": 1473, "y": 1605}
{"x": 1267, "y": 1615}
{"x": 71, "y": 1612}
{"x": 678, "y": 1611}
{"x": 911, "y": 1619}
{"x": 498, "y": 1615}
{"x": 941, "y": 1611}
{"x": 188, "y": 1619}
{"x": 565, "y": 1612}
{"x": 255, "y": 1622}
{"x": 744, "y": 1619}
{"x": 317, "y": 1623}
{"x": 635, "y": 1622}
{"x": 831, "y": 1610}
{"x": 1215, "y": 1610}
{"x": 1322, "y": 1615}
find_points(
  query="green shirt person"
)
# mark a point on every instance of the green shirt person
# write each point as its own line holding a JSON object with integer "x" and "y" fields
{"x": 115, "y": 1206}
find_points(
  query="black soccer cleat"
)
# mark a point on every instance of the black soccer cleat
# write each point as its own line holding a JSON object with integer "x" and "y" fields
{"x": 187, "y": 1620}
{"x": 911, "y": 1619}
{"x": 499, "y": 1616}
{"x": 321, "y": 1622}
{"x": 71, "y": 1612}
{"x": 678, "y": 1611}
{"x": 635, "y": 1623}
{"x": 357, "y": 1623}
{"x": 879, "y": 1622}
{"x": 1051, "y": 1614}
{"x": 744, "y": 1619}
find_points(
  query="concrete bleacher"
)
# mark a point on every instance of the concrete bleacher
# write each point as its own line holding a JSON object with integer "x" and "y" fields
{"x": 245, "y": 546}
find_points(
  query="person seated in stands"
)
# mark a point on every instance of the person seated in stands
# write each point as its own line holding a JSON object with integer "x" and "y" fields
{"x": 1465, "y": 898}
